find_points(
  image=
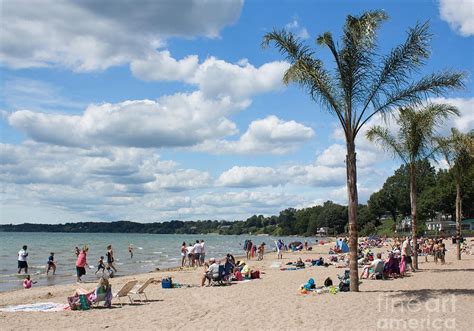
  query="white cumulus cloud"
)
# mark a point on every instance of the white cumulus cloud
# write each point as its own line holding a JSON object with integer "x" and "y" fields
{"x": 459, "y": 14}
{"x": 89, "y": 35}
{"x": 270, "y": 135}
{"x": 177, "y": 120}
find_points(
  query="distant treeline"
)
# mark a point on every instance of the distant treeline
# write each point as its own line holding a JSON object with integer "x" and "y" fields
{"x": 436, "y": 194}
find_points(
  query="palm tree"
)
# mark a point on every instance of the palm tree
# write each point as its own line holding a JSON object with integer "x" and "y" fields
{"x": 414, "y": 141}
{"x": 362, "y": 85}
{"x": 458, "y": 151}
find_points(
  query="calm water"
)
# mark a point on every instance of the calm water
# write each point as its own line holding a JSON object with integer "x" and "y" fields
{"x": 151, "y": 251}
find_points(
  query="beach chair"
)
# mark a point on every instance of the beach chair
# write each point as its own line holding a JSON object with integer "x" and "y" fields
{"x": 141, "y": 290}
{"x": 125, "y": 291}
{"x": 105, "y": 297}
{"x": 219, "y": 280}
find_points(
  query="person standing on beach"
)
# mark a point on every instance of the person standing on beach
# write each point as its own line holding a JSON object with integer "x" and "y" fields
{"x": 261, "y": 251}
{"x": 248, "y": 246}
{"x": 279, "y": 247}
{"x": 190, "y": 252}
{"x": 81, "y": 263}
{"x": 197, "y": 253}
{"x": 22, "y": 256}
{"x": 51, "y": 264}
{"x": 203, "y": 252}
{"x": 110, "y": 258}
{"x": 183, "y": 253}
{"x": 406, "y": 254}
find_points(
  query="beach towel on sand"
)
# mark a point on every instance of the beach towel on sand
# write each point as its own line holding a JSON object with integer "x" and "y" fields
{"x": 41, "y": 306}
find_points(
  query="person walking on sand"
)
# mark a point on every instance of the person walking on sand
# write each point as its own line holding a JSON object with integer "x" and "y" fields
{"x": 22, "y": 256}
{"x": 110, "y": 258}
{"x": 81, "y": 263}
{"x": 51, "y": 264}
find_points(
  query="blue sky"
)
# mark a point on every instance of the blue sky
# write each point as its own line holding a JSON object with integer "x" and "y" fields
{"x": 159, "y": 110}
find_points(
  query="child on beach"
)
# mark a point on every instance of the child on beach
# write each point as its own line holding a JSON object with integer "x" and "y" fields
{"x": 100, "y": 265}
{"x": 51, "y": 264}
{"x": 27, "y": 283}
{"x": 261, "y": 251}
{"x": 183, "y": 254}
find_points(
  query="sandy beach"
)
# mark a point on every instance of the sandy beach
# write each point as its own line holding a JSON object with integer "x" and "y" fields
{"x": 437, "y": 297}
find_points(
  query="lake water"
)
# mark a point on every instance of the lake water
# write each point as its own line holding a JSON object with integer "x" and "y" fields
{"x": 151, "y": 251}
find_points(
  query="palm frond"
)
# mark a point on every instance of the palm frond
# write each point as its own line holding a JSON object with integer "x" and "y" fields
{"x": 414, "y": 94}
{"x": 382, "y": 137}
{"x": 400, "y": 63}
{"x": 307, "y": 71}
{"x": 287, "y": 44}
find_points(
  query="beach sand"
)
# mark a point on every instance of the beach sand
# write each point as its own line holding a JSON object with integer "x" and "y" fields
{"x": 437, "y": 297}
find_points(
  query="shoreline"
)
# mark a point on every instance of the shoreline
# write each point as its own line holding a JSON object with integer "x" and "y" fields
{"x": 150, "y": 253}
{"x": 278, "y": 291}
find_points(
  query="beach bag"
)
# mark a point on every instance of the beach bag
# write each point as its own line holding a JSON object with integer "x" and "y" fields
{"x": 78, "y": 302}
{"x": 328, "y": 282}
{"x": 344, "y": 287}
{"x": 166, "y": 283}
{"x": 255, "y": 274}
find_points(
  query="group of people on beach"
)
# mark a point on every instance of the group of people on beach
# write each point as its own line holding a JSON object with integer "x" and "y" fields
{"x": 103, "y": 264}
{"x": 193, "y": 254}
{"x": 226, "y": 270}
{"x": 81, "y": 262}
{"x": 251, "y": 250}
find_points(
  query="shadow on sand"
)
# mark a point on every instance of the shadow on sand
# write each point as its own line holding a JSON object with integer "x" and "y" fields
{"x": 425, "y": 294}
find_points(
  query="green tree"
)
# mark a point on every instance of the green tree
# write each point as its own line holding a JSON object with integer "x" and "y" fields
{"x": 458, "y": 151}
{"x": 363, "y": 84}
{"x": 412, "y": 143}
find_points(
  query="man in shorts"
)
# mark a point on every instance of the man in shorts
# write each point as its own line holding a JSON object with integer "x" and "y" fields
{"x": 22, "y": 256}
{"x": 212, "y": 271}
{"x": 197, "y": 253}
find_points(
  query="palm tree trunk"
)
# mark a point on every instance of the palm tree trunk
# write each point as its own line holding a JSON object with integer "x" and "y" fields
{"x": 413, "y": 213}
{"x": 458, "y": 217}
{"x": 352, "y": 204}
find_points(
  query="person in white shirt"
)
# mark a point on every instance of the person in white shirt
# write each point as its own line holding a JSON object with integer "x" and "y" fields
{"x": 197, "y": 253}
{"x": 203, "y": 251}
{"x": 212, "y": 271}
{"x": 22, "y": 255}
{"x": 190, "y": 251}
{"x": 376, "y": 267}
{"x": 407, "y": 253}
